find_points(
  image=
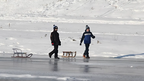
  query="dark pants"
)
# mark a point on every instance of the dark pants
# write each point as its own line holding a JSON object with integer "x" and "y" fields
{"x": 55, "y": 51}
{"x": 86, "y": 53}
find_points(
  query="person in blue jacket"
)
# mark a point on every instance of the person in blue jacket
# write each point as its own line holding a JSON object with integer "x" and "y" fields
{"x": 87, "y": 40}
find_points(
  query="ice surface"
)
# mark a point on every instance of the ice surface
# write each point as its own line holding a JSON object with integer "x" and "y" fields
{"x": 40, "y": 68}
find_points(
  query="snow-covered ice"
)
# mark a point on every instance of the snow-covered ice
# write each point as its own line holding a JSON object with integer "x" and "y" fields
{"x": 34, "y": 37}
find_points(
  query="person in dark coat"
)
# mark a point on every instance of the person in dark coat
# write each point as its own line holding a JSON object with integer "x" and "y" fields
{"x": 87, "y": 40}
{"x": 55, "y": 41}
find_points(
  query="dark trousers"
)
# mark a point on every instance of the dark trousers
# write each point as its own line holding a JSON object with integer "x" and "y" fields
{"x": 86, "y": 53}
{"x": 55, "y": 50}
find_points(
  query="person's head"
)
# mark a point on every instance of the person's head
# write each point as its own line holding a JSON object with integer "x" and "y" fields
{"x": 55, "y": 28}
{"x": 87, "y": 28}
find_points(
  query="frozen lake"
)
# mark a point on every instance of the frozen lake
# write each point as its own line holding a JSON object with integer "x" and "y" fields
{"x": 116, "y": 54}
{"x": 71, "y": 69}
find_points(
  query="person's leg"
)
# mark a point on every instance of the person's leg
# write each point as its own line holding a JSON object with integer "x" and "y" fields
{"x": 56, "y": 51}
{"x": 84, "y": 55}
{"x": 87, "y": 50}
{"x": 53, "y": 51}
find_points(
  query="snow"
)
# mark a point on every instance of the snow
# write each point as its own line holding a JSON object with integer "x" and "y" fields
{"x": 117, "y": 25}
{"x": 117, "y": 9}
{"x": 33, "y": 37}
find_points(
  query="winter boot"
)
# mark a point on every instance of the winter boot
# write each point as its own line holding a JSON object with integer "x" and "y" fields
{"x": 57, "y": 58}
{"x": 84, "y": 56}
{"x": 88, "y": 56}
{"x": 50, "y": 55}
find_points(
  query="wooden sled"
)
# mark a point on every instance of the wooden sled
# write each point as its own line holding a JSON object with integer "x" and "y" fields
{"x": 19, "y": 54}
{"x": 67, "y": 54}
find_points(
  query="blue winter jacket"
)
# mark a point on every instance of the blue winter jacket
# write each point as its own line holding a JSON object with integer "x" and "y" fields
{"x": 87, "y": 37}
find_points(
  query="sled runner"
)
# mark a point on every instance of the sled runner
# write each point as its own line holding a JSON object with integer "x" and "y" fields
{"x": 19, "y": 54}
{"x": 69, "y": 54}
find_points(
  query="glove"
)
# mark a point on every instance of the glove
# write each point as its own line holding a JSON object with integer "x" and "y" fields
{"x": 52, "y": 43}
{"x": 93, "y": 37}
{"x": 80, "y": 44}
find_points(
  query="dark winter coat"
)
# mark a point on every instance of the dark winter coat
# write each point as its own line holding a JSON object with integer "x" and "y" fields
{"x": 87, "y": 37}
{"x": 55, "y": 38}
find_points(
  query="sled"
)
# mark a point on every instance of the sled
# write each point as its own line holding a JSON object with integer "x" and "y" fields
{"x": 67, "y": 54}
{"x": 19, "y": 54}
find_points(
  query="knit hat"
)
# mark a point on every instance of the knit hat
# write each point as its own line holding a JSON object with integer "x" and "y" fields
{"x": 55, "y": 27}
{"x": 87, "y": 27}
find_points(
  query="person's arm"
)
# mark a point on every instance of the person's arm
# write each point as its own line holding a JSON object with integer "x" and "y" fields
{"x": 52, "y": 38}
{"x": 82, "y": 38}
{"x": 92, "y": 35}
{"x": 59, "y": 39}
